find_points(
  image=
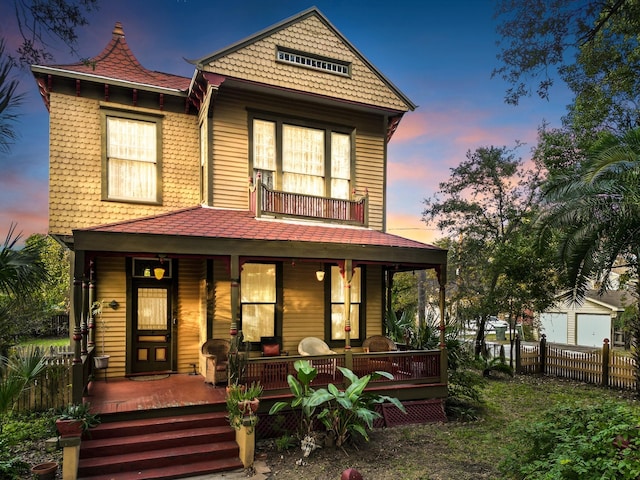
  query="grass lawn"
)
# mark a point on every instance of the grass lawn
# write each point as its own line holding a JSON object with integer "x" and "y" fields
{"x": 45, "y": 342}
{"x": 452, "y": 450}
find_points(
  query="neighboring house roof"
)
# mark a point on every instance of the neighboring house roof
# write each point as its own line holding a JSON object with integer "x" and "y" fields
{"x": 615, "y": 300}
{"x": 117, "y": 64}
{"x": 267, "y": 73}
{"x": 206, "y": 223}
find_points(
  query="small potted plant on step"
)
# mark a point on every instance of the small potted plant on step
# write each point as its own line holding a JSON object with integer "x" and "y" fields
{"x": 75, "y": 419}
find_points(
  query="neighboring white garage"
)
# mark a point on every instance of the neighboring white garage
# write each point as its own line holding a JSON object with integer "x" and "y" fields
{"x": 554, "y": 326}
{"x": 586, "y": 324}
{"x": 592, "y": 328}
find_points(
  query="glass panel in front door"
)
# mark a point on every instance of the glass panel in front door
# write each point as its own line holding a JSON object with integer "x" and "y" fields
{"x": 152, "y": 337}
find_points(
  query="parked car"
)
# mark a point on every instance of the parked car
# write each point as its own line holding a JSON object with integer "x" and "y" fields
{"x": 493, "y": 322}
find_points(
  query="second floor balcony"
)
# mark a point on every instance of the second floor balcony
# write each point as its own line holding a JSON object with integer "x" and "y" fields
{"x": 265, "y": 201}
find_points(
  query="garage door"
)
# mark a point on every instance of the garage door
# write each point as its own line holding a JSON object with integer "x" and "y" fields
{"x": 554, "y": 326}
{"x": 592, "y": 329}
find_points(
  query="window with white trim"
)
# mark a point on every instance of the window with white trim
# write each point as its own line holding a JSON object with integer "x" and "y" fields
{"x": 258, "y": 299}
{"x": 132, "y": 159}
{"x": 337, "y": 304}
{"x": 302, "y": 159}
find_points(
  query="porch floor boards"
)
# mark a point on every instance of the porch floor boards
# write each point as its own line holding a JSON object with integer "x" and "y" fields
{"x": 126, "y": 395}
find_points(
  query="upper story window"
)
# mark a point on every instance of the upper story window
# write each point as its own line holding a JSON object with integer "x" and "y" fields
{"x": 132, "y": 161}
{"x": 302, "y": 159}
{"x": 313, "y": 62}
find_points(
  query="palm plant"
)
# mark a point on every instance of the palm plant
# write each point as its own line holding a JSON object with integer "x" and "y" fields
{"x": 17, "y": 373}
{"x": 594, "y": 213}
{"x": 22, "y": 272}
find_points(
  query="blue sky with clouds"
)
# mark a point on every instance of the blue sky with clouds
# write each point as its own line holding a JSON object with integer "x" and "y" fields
{"x": 438, "y": 53}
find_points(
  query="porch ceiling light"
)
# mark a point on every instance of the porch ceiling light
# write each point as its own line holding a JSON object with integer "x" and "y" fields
{"x": 320, "y": 275}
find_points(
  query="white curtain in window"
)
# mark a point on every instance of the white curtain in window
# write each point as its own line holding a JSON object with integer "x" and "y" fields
{"x": 258, "y": 283}
{"x": 264, "y": 145}
{"x": 340, "y": 165}
{"x": 337, "y": 286}
{"x": 337, "y": 322}
{"x": 257, "y": 321}
{"x": 258, "y": 296}
{"x": 132, "y": 159}
{"x": 152, "y": 309}
{"x": 302, "y": 160}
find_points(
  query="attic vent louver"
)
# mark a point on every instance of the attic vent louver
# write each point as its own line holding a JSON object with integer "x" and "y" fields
{"x": 313, "y": 62}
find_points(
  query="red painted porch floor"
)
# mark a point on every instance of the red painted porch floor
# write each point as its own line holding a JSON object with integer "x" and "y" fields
{"x": 122, "y": 395}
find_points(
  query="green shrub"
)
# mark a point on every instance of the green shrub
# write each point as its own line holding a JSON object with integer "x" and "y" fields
{"x": 577, "y": 442}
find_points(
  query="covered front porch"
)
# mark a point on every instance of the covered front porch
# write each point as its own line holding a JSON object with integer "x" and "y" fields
{"x": 417, "y": 376}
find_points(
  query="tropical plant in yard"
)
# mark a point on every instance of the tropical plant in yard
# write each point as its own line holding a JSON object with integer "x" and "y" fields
{"x": 17, "y": 373}
{"x": 573, "y": 441}
{"x": 351, "y": 411}
{"x": 593, "y": 210}
{"x": 21, "y": 274}
{"x": 301, "y": 391}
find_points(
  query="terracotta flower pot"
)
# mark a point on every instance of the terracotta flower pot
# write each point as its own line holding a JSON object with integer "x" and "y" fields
{"x": 45, "y": 471}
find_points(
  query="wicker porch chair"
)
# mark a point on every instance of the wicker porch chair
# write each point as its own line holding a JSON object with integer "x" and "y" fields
{"x": 311, "y": 346}
{"x": 216, "y": 351}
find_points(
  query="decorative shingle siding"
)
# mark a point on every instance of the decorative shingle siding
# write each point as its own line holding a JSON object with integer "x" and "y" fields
{"x": 257, "y": 62}
{"x": 76, "y": 166}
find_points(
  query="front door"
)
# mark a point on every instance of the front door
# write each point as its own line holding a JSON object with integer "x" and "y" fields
{"x": 151, "y": 328}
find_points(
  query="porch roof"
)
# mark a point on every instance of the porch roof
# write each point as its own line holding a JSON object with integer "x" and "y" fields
{"x": 202, "y": 230}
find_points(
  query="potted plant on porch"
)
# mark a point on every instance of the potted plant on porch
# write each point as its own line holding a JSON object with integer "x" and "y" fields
{"x": 242, "y": 407}
{"x": 100, "y": 361}
{"x": 75, "y": 419}
{"x": 242, "y": 404}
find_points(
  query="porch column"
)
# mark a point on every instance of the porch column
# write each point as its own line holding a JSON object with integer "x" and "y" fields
{"x": 91, "y": 325}
{"x": 347, "y": 276}
{"x": 235, "y": 294}
{"x": 84, "y": 330}
{"x": 77, "y": 381}
{"x": 441, "y": 271}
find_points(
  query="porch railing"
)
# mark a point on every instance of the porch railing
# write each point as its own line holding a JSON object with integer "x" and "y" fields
{"x": 285, "y": 204}
{"x": 414, "y": 366}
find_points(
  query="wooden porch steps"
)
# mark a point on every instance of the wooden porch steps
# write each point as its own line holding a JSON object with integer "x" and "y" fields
{"x": 159, "y": 448}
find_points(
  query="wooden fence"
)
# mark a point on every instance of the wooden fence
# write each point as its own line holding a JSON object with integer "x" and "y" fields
{"x": 604, "y": 366}
{"x": 52, "y": 388}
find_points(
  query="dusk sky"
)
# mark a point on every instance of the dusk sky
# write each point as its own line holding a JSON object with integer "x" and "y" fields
{"x": 438, "y": 53}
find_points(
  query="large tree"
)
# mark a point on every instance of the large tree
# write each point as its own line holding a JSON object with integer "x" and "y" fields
{"x": 592, "y": 45}
{"x": 10, "y": 100}
{"x": 486, "y": 208}
{"x": 42, "y": 24}
{"x": 593, "y": 208}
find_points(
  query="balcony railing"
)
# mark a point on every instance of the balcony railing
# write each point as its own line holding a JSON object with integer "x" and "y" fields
{"x": 265, "y": 201}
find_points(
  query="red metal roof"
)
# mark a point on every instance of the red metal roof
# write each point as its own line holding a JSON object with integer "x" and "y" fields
{"x": 118, "y": 62}
{"x": 242, "y": 225}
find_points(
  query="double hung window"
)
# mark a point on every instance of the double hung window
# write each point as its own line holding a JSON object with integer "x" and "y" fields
{"x": 258, "y": 299}
{"x": 302, "y": 159}
{"x": 132, "y": 159}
